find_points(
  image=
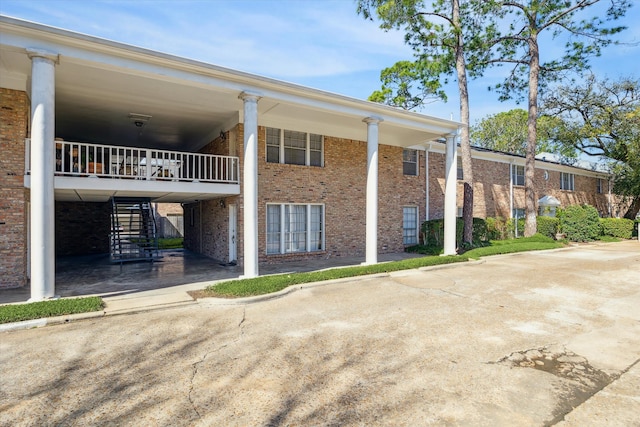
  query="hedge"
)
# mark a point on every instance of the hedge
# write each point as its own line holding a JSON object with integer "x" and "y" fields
{"x": 617, "y": 227}
{"x": 580, "y": 223}
{"x": 548, "y": 226}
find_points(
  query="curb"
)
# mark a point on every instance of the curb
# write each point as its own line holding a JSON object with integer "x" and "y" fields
{"x": 216, "y": 301}
{"x": 47, "y": 321}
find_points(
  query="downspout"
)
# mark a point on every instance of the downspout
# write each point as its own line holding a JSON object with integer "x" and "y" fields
{"x": 200, "y": 225}
{"x": 511, "y": 189}
{"x": 426, "y": 179}
{"x": 609, "y": 198}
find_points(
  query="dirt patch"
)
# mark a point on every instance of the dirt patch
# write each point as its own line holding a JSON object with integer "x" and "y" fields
{"x": 580, "y": 379}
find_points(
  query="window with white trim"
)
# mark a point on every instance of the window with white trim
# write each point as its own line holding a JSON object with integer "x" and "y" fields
{"x": 517, "y": 175}
{"x": 518, "y": 213}
{"x": 294, "y": 148}
{"x": 410, "y": 162}
{"x": 566, "y": 181}
{"x": 294, "y": 228}
{"x": 410, "y": 225}
{"x": 459, "y": 171}
{"x": 600, "y": 185}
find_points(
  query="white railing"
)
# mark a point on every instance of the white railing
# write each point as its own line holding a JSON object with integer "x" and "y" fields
{"x": 112, "y": 161}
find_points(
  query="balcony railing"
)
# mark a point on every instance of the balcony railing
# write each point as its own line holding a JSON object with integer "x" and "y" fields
{"x": 111, "y": 161}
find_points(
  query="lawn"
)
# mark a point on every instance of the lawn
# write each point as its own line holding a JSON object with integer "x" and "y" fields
{"x": 41, "y": 309}
{"x": 269, "y": 284}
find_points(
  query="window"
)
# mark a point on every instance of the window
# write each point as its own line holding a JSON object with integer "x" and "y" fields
{"x": 518, "y": 213}
{"x": 273, "y": 145}
{"x": 410, "y": 225}
{"x": 459, "y": 171}
{"x": 294, "y": 228}
{"x": 517, "y": 175}
{"x": 459, "y": 212}
{"x": 566, "y": 181}
{"x": 410, "y": 162}
{"x": 600, "y": 185}
{"x": 294, "y": 148}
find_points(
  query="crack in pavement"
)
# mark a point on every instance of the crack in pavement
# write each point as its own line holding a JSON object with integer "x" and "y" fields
{"x": 195, "y": 365}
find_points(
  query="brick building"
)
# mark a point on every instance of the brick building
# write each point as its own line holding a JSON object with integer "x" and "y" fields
{"x": 266, "y": 171}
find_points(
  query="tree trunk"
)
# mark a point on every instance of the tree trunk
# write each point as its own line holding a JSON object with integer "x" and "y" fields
{"x": 634, "y": 208}
{"x": 530, "y": 227}
{"x": 465, "y": 144}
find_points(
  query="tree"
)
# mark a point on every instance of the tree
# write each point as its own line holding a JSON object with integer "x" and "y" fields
{"x": 526, "y": 22}
{"x": 602, "y": 118}
{"x": 398, "y": 87}
{"x": 507, "y": 132}
{"x": 438, "y": 33}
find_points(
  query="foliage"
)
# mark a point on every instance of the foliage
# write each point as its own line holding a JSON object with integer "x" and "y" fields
{"x": 533, "y": 243}
{"x": 548, "y": 226}
{"x": 425, "y": 250}
{"x": 398, "y": 90}
{"x": 602, "y": 118}
{"x": 507, "y": 132}
{"x": 41, "y": 309}
{"x": 268, "y": 284}
{"x": 617, "y": 227}
{"x": 444, "y": 35}
{"x": 171, "y": 243}
{"x": 517, "y": 44}
{"x": 497, "y": 228}
{"x": 580, "y": 223}
{"x": 433, "y": 232}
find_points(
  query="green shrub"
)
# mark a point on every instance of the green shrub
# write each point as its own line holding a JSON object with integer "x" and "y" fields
{"x": 548, "y": 226}
{"x": 580, "y": 223}
{"x": 433, "y": 232}
{"x": 497, "y": 228}
{"x": 515, "y": 228}
{"x": 617, "y": 227}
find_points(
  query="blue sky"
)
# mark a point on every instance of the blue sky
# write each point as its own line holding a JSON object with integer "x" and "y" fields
{"x": 317, "y": 43}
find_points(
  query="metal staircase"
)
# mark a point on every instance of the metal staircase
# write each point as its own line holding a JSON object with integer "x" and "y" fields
{"x": 133, "y": 230}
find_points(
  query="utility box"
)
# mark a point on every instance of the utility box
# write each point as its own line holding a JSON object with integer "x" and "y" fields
{"x": 548, "y": 205}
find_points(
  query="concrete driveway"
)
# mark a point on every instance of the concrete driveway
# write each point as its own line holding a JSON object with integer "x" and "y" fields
{"x": 515, "y": 340}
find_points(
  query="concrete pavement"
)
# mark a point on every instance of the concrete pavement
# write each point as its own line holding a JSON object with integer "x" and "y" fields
{"x": 517, "y": 340}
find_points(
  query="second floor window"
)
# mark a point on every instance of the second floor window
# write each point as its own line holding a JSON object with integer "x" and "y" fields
{"x": 566, "y": 181}
{"x": 517, "y": 175}
{"x": 294, "y": 148}
{"x": 410, "y": 162}
{"x": 459, "y": 172}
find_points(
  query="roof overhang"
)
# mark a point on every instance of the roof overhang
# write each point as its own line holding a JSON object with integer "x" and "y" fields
{"x": 100, "y": 82}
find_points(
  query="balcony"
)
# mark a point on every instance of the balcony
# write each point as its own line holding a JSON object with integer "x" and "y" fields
{"x": 96, "y": 172}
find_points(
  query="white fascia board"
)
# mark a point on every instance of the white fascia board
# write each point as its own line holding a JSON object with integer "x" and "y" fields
{"x": 87, "y": 49}
{"x": 521, "y": 161}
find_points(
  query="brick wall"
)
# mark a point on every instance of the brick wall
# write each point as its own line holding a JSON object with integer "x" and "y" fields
{"x": 14, "y": 122}
{"x": 491, "y": 196}
{"x": 340, "y": 186}
{"x": 82, "y": 228}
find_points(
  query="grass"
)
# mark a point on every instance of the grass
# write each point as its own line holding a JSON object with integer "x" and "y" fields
{"x": 523, "y": 244}
{"x": 170, "y": 243}
{"x": 41, "y": 309}
{"x": 609, "y": 239}
{"x": 268, "y": 284}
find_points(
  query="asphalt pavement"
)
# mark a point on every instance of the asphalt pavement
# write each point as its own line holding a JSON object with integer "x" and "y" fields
{"x": 532, "y": 339}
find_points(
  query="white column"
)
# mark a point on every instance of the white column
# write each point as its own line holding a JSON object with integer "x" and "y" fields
{"x": 371, "y": 251}
{"x": 250, "y": 183}
{"x": 42, "y": 217}
{"x": 450, "y": 188}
